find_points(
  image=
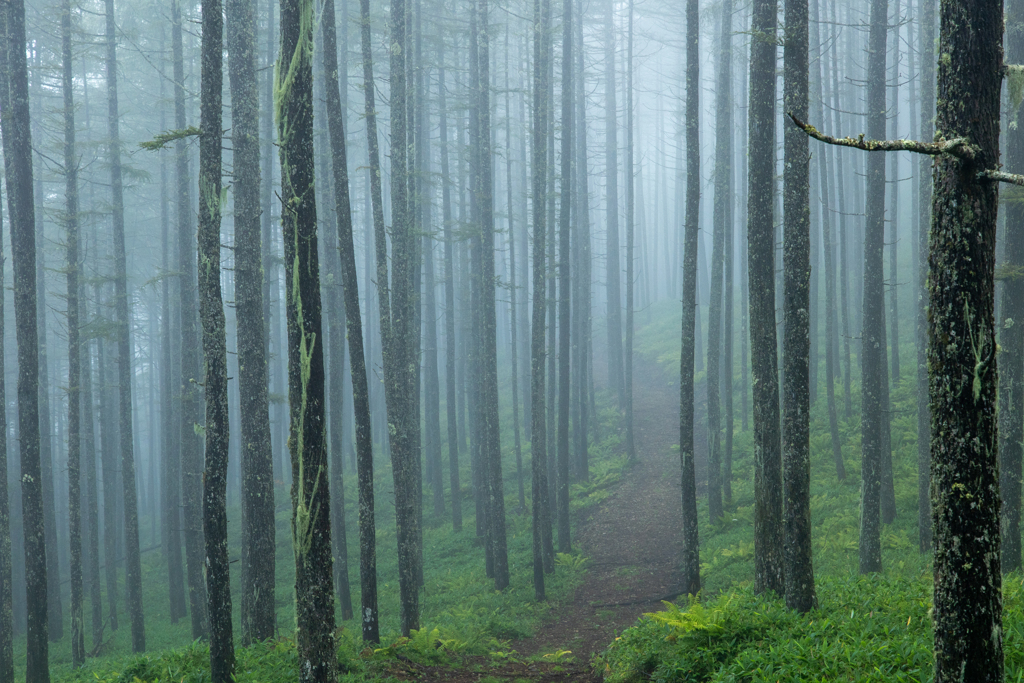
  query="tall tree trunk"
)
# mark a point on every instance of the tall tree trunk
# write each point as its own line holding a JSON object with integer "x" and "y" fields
{"x": 451, "y": 404}
{"x": 215, "y": 364}
{"x": 720, "y": 219}
{"x": 796, "y": 347}
{"x": 91, "y": 493}
{"x": 825, "y": 172}
{"x": 962, "y": 354}
{"x": 691, "y": 548}
{"x": 257, "y": 466}
{"x": 873, "y": 348}
{"x": 170, "y": 456}
{"x": 74, "y": 345}
{"x": 768, "y": 525}
{"x": 564, "y": 280}
{"x": 1011, "y": 389}
{"x": 108, "y": 442}
{"x": 191, "y": 405}
{"x": 133, "y": 560}
{"x": 341, "y": 251}
{"x": 728, "y": 192}
{"x": 612, "y": 275}
{"x": 6, "y": 559}
{"x": 513, "y": 284}
{"x": 541, "y": 507}
{"x": 582, "y": 252}
{"x": 17, "y": 143}
{"x": 924, "y": 509}
{"x": 311, "y": 503}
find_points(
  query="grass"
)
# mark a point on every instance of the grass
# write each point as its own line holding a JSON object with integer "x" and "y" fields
{"x": 461, "y": 613}
{"x": 874, "y": 628}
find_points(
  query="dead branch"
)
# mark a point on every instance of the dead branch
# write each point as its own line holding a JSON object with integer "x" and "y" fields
{"x": 958, "y": 147}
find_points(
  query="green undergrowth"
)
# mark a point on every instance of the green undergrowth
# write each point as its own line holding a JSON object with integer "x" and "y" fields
{"x": 865, "y": 628}
{"x": 872, "y": 628}
{"x": 461, "y": 613}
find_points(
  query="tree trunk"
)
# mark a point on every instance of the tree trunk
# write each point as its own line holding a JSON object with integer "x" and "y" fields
{"x": 962, "y": 354}
{"x": 367, "y": 528}
{"x": 74, "y": 346}
{"x": 1011, "y": 385}
{"x": 691, "y": 548}
{"x": 825, "y": 172}
{"x": 582, "y": 295}
{"x": 17, "y": 143}
{"x": 796, "y": 347}
{"x": 6, "y": 559}
{"x": 338, "y": 251}
{"x": 257, "y": 466}
{"x": 564, "y": 280}
{"x": 191, "y": 445}
{"x": 768, "y": 525}
{"x": 541, "y": 507}
{"x": 924, "y": 510}
{"x": 311, "y": 503}
{"x": 612, "y": 273}
{"x": 211, "y": 314}
{"x": 451, "y": 404}
{"x": 720, "y": 219}
{"x": 873, "y": 346}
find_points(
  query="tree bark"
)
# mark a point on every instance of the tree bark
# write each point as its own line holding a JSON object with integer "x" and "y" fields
{"x": 257, "y": 466}
{"x": 17, "y": 143}
{"x": 873, "y": 346}
{"x": 311, "y": 503}
{"x": 1011, "y": 385}
{"x": 540, "y": 504}
{"x": 768, "y": 524}
{"x": 564, "y": 280}
{"x": 691, "y": 548}
{"x": 720, "y": 220}
{"x": 962, "y": 354}
{"x": 6, "y": 559}
{"x": 796, "y": 348}
{"x": 612, "y": 268}
{"x": 191, "y": 402}
{"x": 211, "y": 315}
{"x": 74, "y": 345}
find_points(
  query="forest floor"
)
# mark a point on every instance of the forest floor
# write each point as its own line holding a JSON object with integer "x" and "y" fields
{"x": 632, "y": 544}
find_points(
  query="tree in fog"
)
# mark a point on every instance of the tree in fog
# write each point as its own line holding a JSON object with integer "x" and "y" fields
{"x": 307, "y": 443}
{"x": 691, "y": 548}
{"x": 6, "y": 569}
{"x": 768, "y": 526}
{"x": 796, "y": 460}
{"x": 258, "y": 532}
{"x": 74, "y": 345}
{"x": 215, "y": 364}
{"x": 17, "y": 143}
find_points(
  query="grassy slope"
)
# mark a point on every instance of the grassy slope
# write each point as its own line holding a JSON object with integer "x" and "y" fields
{"x": 458, "y": 600}
{"x": 866, "y": 628}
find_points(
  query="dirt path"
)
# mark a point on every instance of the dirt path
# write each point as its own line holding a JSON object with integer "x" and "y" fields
{"x": 632, "y": 538}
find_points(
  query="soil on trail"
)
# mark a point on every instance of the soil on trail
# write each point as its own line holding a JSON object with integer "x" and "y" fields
{"x": 632, "y": 539}
{"x": 633, "y": 544}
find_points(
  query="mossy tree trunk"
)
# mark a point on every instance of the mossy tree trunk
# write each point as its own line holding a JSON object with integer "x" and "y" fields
{"x": 6, "y": 560}
{"x": 1011, "y": 379}
{"x": 962, "y": 353}
{"x": 311, "y": 503}
{"x": 215, "y": 375}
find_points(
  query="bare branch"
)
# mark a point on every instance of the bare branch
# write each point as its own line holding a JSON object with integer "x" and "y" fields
{"x": 958, "y": 147}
